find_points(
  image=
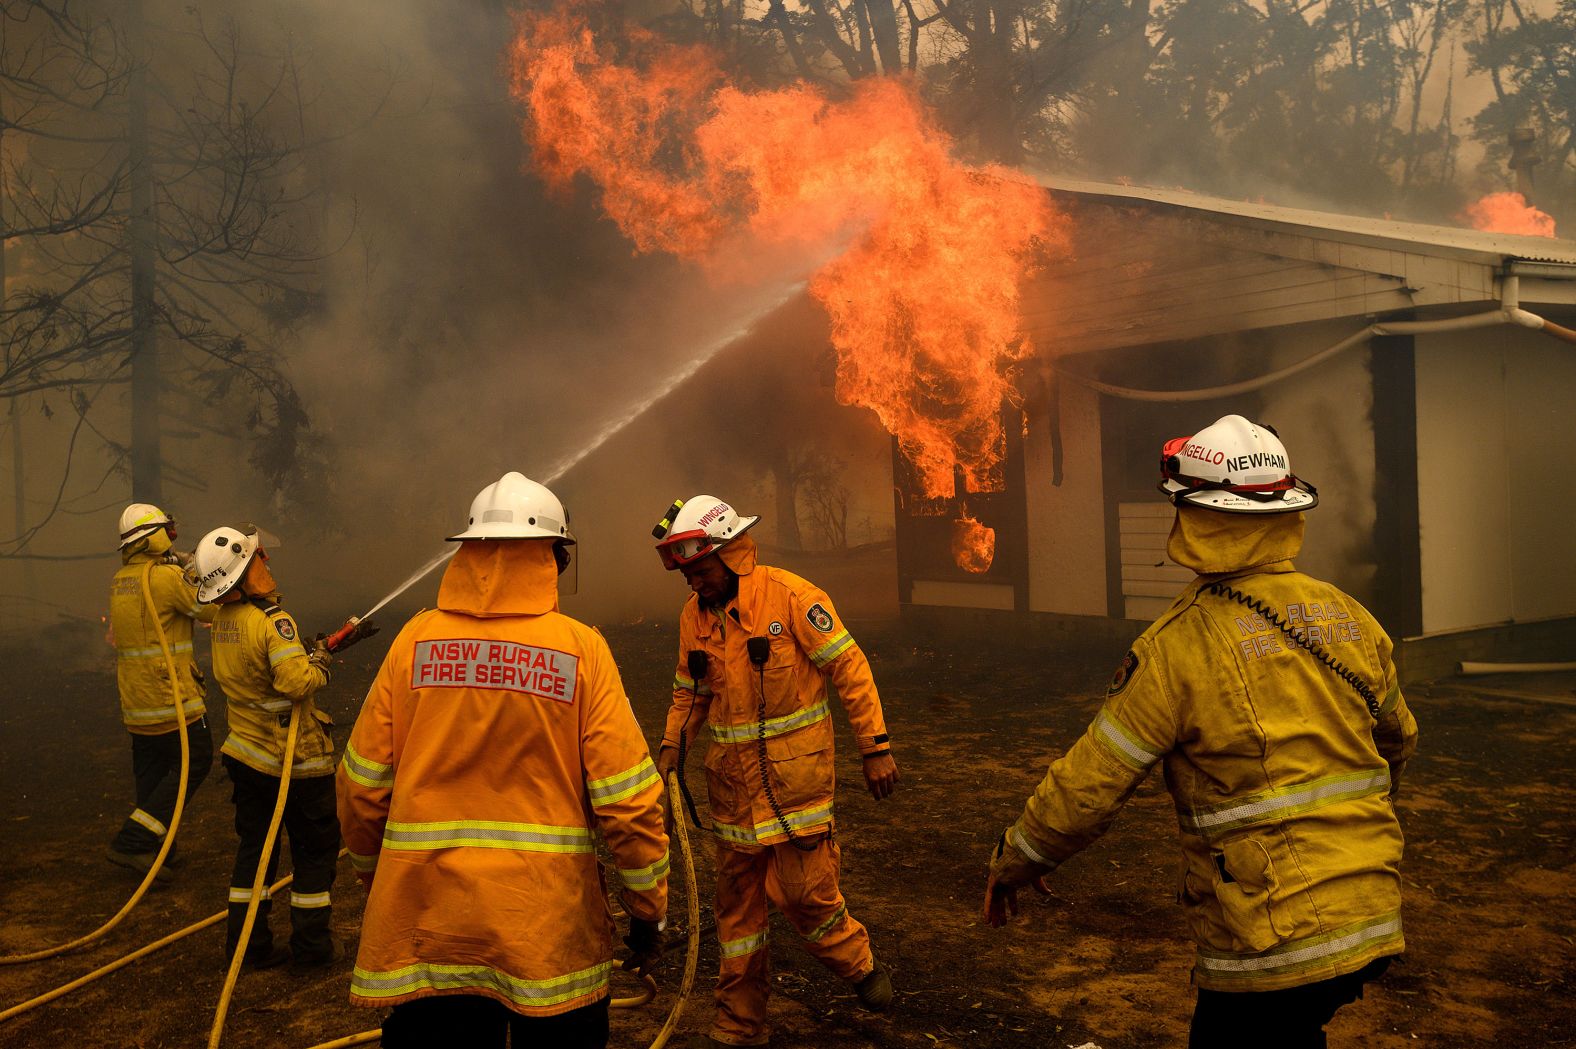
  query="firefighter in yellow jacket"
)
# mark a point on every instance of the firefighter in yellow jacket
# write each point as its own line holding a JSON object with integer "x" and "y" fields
{"x": 760, "y": 650}
{"x": 265, "y": 670}
{"x": 1271, "y": 700}
{"x": 495, "y": 743}
{"x": 147, "y": 705}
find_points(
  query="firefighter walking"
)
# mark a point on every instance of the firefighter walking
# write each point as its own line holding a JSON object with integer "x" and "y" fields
{"x": 147, "y": 706}
{"x": 1271, "y": 700}
{"x": 759, "y": 651}
{"x": 495, "y": 742}
{"x": 264, "y": 668}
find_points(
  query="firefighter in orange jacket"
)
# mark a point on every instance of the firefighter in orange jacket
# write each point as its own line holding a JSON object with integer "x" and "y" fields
{"x": 146, "y": 704}
{"x": 496, "y": 740}
{"x": 759, "y": 651}
{"x": 1271, "y": 700}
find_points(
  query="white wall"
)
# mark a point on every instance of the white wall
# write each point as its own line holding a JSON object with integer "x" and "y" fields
{"x": 1325, "y": 417}
{"x": 1067, "y": 521}
{"x": 1496, "y": 410}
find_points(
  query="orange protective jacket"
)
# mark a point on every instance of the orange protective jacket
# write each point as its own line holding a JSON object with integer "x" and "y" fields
{"x": 495, "y": 738}
{"x": 810, "y": 653}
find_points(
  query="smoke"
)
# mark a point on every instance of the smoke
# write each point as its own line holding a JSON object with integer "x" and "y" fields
{"x": 463, "y": 320}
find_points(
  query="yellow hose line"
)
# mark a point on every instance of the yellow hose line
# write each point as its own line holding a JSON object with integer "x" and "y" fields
{"x": 364, "y": 1038}
{"x": 121, "y": 963}
{"x": 217, "y": 1030}
{"x": 692, "y": 953}
{"x": 180, "y": 797}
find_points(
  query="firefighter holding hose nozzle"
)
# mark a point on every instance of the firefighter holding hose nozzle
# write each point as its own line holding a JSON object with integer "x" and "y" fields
{"x": 495, "y": 742}
{"x": 264, "y": 668}
{"x": 146, "y": 707}
{"x": 1272, "y": 702}
{"x": 759, "y": 651}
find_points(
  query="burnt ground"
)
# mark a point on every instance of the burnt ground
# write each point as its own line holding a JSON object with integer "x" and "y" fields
{"x": 1490, "y": 875}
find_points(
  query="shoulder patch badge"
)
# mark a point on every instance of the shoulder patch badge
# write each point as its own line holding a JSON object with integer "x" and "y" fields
{"x": 819, "y": 618}
{"x": 285, "y": 627}
{"x": 775, "y": 629}
{"x": 1124, "y": 673}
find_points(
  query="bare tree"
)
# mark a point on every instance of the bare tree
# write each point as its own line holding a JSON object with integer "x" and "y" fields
{"x": 163, "y": 239}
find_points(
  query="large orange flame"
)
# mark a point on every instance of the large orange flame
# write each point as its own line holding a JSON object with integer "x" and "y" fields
{"x": 1509, "y": 213}
{"x": 973, "y": 545}
{"x": 924, "y": 299}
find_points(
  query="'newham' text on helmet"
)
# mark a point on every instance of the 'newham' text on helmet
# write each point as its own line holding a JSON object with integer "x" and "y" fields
{"x": 1235, "y": 466}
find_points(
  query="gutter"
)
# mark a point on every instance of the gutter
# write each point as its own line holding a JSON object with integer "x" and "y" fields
{"x": 1509, "y": 312}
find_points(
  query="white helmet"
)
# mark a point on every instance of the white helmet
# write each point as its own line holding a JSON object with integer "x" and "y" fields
{"x": 140, "y": 520}
{"x": 696, "y": 527}
{"x": 516, "y": 507}
{"x": 221, "y": 559}
{"x": 1236, "y": 466}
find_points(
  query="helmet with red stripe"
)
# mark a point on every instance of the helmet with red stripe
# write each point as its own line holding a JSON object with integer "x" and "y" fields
{"x": 1235, "y": 466}
{"x": 698, "y": 527}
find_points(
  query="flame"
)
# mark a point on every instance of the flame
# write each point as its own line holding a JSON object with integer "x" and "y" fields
{"x": 973, "y": 545}
{"x": 1508, "y": 213}
{"x": 923, "y": 301}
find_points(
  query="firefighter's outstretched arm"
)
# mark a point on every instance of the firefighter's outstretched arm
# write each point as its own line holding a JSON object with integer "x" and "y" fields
{"x": 1083, "y": 791}
{"x": 1395, "y": 733}
{"x": 296, "y": 674}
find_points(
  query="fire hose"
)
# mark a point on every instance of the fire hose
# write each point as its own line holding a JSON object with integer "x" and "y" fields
{"x": 121, "y": 963}
{"x": 175, "y": 818}
{"x": 236, "y": 960}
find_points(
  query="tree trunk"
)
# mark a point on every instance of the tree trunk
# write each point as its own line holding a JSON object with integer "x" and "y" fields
{"x": 883, "y": 25}
{"x": 787, "y": 505}
{"x": 147, "y": 463}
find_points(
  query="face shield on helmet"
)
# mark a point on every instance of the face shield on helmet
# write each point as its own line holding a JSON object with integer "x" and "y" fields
{"x": 695, "y": 528}
{"x": 223, "y": 556}
{"x": 1233, "y": 466}
{"x": 140, "y": 520}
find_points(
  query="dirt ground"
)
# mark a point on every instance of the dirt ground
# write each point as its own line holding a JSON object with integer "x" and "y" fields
{"x": 1487, "y": 807}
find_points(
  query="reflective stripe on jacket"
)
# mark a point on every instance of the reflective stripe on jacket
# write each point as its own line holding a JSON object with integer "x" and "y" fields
{"x": 146, "y": 706}
{"x": 260, "y": 662}
{"x": 1281, "y": 778}
{"x": 494, "y": 743}
{"x": 810, "y": 653}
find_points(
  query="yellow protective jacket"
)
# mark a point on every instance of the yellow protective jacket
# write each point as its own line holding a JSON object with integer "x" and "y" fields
{"x": 260, "y": 663}
{"x": 496, "y": 739}
{"x": 146, "y": 705}
{"x": 811, "y": 652}
{"x": 1281, "y": 777}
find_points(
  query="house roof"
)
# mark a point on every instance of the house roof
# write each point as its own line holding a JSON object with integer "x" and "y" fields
{"x": 1147, "y": 266}
{"x": 1486, "y": 246}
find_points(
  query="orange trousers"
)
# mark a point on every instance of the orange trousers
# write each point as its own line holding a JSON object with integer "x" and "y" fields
{"x": 803, "y": 886}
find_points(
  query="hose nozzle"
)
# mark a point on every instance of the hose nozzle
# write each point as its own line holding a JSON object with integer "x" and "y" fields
{"x": 338, "y": 639}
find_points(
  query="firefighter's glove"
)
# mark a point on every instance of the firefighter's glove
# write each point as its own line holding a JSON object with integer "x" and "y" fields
{"x": 1010, "y": 870}
{"x": 322, "y": 658}
{"x": 645, "y": 946}
{"x": 179, "y": 557}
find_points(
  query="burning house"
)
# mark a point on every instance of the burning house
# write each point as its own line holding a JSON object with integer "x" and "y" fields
{"x": 1173, "y": 309}
{"x": 1429, "y": 445}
